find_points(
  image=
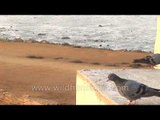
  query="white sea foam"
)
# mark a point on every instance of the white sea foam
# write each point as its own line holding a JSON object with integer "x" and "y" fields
{"x": 131, "y": 32}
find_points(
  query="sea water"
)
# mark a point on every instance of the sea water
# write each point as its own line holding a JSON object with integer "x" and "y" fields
{"x": 130, "y": 32}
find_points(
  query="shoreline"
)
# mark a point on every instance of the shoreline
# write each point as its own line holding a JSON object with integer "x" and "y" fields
{"x": 66, "y": 44}
{"x": 27, "y": 65}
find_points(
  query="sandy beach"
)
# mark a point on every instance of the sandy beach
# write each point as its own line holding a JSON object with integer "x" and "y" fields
{"x": 47, "y": 72}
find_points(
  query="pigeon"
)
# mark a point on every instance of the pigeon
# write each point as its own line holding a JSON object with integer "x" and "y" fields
{"x": 131, "y": 89}
{"x": 151, "y": 59}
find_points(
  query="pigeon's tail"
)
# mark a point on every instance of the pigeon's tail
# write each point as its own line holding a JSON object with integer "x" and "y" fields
{"x": 153, "y": 92}
{"x": 157, "y": 92}
{"x": 146, "y": 60}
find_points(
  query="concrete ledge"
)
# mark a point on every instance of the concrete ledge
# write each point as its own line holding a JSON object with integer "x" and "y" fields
{"x": 87, "y": 94}
{"x": 92, "y": 88}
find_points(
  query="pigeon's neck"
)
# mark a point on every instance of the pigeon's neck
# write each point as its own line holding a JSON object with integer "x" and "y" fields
{"x": 119, "y": 81}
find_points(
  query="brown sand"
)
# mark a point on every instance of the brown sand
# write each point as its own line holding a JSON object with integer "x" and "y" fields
{"x": 52, "y": 68}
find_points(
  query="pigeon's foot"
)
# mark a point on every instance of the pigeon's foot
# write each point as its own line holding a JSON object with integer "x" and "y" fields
{"x": 132, "y": 102}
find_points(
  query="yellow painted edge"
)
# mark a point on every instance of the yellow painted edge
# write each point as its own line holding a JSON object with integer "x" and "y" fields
{"x": 157, "y": 67}
{"x": 157, "y": 42}
{"x": 99, "y": 94}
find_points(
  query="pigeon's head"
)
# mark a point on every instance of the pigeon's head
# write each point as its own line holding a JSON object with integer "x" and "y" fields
{"x": 112, "y": 77}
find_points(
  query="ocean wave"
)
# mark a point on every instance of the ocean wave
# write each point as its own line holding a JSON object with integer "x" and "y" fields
{"x": 102, "y": 32}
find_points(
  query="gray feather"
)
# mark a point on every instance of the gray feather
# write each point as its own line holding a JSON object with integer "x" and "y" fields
{"x": 133, "y": 90}
{"x": 156, "y": 58}
{"x": 152, "y": 59}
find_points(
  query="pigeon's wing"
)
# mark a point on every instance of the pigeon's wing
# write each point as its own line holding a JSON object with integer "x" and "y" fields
{"x": 155, "y": 58}
{"x": 151, "y": 92}
{"x": 136, "y": 90}
{"x": 133, "y": 90}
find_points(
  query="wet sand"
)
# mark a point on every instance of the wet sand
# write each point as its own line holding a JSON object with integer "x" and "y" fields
{"x": 48, "y": 71}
